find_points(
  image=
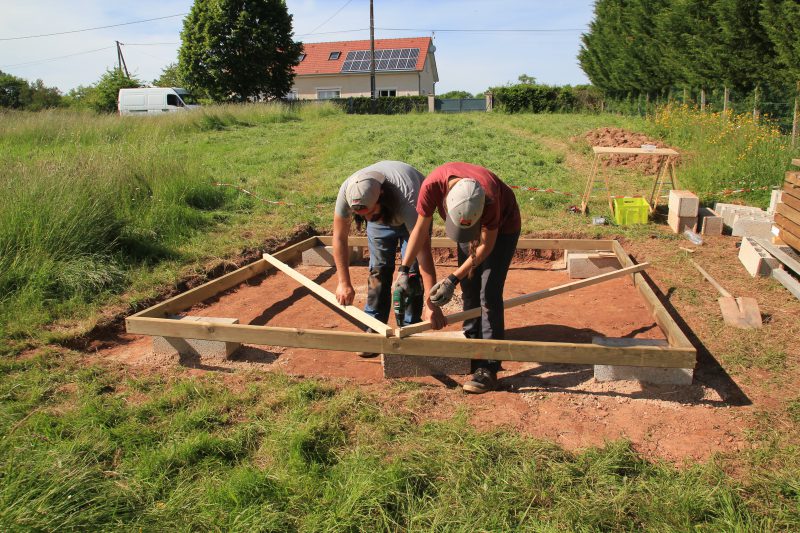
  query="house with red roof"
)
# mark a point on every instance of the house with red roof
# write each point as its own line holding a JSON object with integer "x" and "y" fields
{"x": 403, "y": 67}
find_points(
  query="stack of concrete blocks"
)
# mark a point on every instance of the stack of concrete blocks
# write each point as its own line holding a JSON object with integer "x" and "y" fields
{"x": 175, "y": 347}
{"x": 756, "y": 260}
{"x": 646, "y": 374}
{"x": 745, "y": 221}
{"x": 413, "y": 366}
{"x": 709, "y": 222}
{"x": 683, "y": 208}
{"x": 586, "y": 264}
{"x": 323, "y": 256}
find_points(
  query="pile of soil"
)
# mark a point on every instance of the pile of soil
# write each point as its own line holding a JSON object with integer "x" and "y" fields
{"x": 619, "y": 137}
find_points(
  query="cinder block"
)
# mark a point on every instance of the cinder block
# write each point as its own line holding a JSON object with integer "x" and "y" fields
{"x": 680, "y": 224}
{"x": 729, "y": 212}
{"x": 710, "y": 222}
{"x": 581, "y": 265}
{"x": 323, "y": 256}
{"x": 215, "y": 350}
{"x": 752, "y": 227}
{"x": 413, "y": 366}
{"x": 646, "y": 374}
{"x": 683, "y": 203}
{"x": 756, "y": 260}
{"x": 775, "y": 198}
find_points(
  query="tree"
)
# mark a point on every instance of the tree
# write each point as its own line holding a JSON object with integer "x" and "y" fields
{"x": 781, "y": 20}
{"x": 239, "y": 49}
{"x": 456, "y": 94}
{"x": 171, "y": 76}
{"x": 13, "y": 91}
{"x": 80, "y": 97}
{"x": 103, "y": 98}
{"x": 527, "y": 80}
{"x": 42, "y": 97}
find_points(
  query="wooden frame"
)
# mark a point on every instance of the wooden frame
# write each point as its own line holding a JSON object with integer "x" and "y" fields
{"x": 159, "y": 320}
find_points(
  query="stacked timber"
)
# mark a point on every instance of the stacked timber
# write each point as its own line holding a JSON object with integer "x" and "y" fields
{"x": 787, "y": 213}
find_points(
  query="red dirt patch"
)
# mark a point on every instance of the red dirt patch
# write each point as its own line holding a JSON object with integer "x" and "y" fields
{"x": 619, "y": 137}
{"x": 562, "y": 403}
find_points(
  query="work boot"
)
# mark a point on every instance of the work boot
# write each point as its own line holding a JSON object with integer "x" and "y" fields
{"x": 483, "y": 380}
{"x": 367, "y": 355}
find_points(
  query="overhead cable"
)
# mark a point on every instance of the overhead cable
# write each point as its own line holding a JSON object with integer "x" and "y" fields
{"x": 91, "y": 29}
{"x": 36, "y": 62}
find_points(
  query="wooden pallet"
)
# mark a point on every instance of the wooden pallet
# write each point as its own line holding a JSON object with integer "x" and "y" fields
{"x": 787, "y": 214}
{"x": 157, "y": 321}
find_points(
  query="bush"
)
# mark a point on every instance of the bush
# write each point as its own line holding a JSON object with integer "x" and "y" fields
{"x": 546, "y": 99}
{"x": 386, "y": 105}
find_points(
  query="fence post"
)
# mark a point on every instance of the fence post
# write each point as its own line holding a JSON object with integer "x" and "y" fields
{"x": 725, "y": 97}
{"x": 703, "y": 99}
{"x": 431, "y": 103}
{"x": 795, "y": 118}
{"x": 756, "y": 110}
{"x": 489, "y": 100}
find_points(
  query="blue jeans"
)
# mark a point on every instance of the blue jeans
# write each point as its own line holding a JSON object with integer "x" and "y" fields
{"x": 382, "y": 241}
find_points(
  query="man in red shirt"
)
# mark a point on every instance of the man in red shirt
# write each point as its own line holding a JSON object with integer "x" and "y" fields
{"x": 482, "y": 216}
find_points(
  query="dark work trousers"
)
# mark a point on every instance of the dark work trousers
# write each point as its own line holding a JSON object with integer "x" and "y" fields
{"x": 382, "y": 241}
{"x": 485, "y": 290}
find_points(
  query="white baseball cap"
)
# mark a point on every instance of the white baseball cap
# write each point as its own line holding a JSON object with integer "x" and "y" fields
{"x": 464, "y": 204}
{"x": 364, "y": 189}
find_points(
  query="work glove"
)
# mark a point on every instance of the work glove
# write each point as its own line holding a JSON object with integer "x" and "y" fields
{"x": 402, "y": 282}
{"x": 442, "y": 292}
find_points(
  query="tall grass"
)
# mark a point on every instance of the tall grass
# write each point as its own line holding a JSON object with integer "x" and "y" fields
{"x": 288, "y": 455}
{"x": 84, "y": 198}
{"x": 725, "y": 151}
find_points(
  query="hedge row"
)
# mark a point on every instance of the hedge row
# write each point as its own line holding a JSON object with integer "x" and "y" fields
{"x": 526, "y": 98}
{"x": 385, "y": 105}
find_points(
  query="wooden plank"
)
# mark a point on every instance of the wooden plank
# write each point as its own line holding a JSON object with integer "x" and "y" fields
{"x": 353, "y": 312}
{"x": 796, "y": 162}
{"x": 790, "y": 239}
{"x": 791, "y": 189}
{"x": 787, "y": 225}
{"x": 626, "y": 150}
{"x": 788, "y": 212}
{"x": 207, "y": 290}
{"x": 786, "y": 279}
{"x": 791, "y": 198}
{"x": 502, "y": 350}
{"x": 524, "y": 299}
{"x": 790, "y": 262}
{"x": 676, "y": 337}
{"x": 792, "y": 177}
{"x": 523, "y": 244}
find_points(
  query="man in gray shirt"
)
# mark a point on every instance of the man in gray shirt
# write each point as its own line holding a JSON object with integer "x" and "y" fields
{"x": 385, "y": 196}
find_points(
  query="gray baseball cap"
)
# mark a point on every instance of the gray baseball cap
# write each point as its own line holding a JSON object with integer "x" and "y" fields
{"x": 364, "y": 189}
{"x": 464, "y": 209}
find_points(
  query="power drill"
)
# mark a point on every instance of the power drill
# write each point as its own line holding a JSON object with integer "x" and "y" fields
{"x": 401, "y": 300}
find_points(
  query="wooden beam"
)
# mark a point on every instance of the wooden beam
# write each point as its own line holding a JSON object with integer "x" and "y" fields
{"x": 786, "y": 279}
{"x": 353, "y": 312}
{"x": 676, "y": 337}
{"x": 625, "y": 150}
{"x": 501, "y": 350}
{"x": 790, "y": 262}
{"x": 796, "y": 162}
{"x": 524, "y": 299}
{"x": 788, "y": 212}
{"x": 207, "y": 290}
{"x": 787, "y": 225}
{"x": 792, "y": 177}
{"x": 522, "y": 244}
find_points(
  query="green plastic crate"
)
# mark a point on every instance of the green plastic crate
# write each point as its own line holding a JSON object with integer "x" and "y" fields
{"x": 629, "y": 211}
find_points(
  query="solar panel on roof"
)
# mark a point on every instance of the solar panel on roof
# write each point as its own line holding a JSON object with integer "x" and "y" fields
{"x": 393, "y": 59}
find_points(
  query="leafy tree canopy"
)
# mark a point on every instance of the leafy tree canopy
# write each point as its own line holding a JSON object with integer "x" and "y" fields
{"x": 239, "y": 49}
{"x": 103, "y": 98}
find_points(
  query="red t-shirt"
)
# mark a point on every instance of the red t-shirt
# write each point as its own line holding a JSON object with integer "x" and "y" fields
{"x": 500, "y": 210}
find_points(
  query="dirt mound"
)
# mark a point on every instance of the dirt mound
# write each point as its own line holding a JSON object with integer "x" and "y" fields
{"x": 619, "y": 137}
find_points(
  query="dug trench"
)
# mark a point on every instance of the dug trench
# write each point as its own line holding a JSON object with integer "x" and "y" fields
{"x": 558, "y": 402}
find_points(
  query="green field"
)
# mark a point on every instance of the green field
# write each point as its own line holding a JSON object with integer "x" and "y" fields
{"x": 98, "y": 214}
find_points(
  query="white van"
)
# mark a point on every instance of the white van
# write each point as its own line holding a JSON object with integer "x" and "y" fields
{"x": 154, "y": 100}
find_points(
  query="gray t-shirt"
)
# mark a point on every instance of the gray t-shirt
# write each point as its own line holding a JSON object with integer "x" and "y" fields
{"x": 405, "y": 181}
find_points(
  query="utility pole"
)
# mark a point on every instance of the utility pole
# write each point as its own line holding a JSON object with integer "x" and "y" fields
{"x": 121, "y": 61}
{"x": 372, "y": 55}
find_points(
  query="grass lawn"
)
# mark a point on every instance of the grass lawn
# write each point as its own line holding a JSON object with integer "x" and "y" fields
{"x": 99, "y": 213}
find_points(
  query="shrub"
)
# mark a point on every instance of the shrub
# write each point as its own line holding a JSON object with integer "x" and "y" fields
{"x": 387, "y": 105}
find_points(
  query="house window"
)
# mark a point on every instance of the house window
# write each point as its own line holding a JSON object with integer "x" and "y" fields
{"x": 334, "y": 56}
{"x": 301, "y": 58}
{"x": 327, "y": 94}
{"x": 173, "y": 100}
{"x": 387, "y": 92}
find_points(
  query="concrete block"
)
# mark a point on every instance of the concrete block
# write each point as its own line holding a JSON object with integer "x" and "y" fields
{"x": 581, "y": 265}
{"x": 729, "y": 212}
{"x": 756, "y": 260}
{"x": 775, "y": 198}
{"x": 646, "y": 374}
{"x": 214, "y": 350}
{"x": 680, "y": 224}
{"x": 323, "y": 256}
{"x": 413, "y": 366}
{"x": 710, "y": 223}
{"x": 683, "y": 203}
{"x": 752, "y": 227}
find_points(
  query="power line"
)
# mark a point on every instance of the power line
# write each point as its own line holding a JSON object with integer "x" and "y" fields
{"x": 148, "y": 44}
{"x": 91, "y": 29}
{"x": 478, "y": 30}
{"x": 331, "y": 17}
{"x": 36, "y": 62}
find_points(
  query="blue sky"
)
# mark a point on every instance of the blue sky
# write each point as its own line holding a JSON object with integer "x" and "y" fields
{"x": 466, "y": 60}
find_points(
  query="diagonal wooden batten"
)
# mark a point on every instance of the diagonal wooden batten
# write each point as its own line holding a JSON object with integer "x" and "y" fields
{"x": 353, "y": 312}
{"x": 526, "y": 298}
